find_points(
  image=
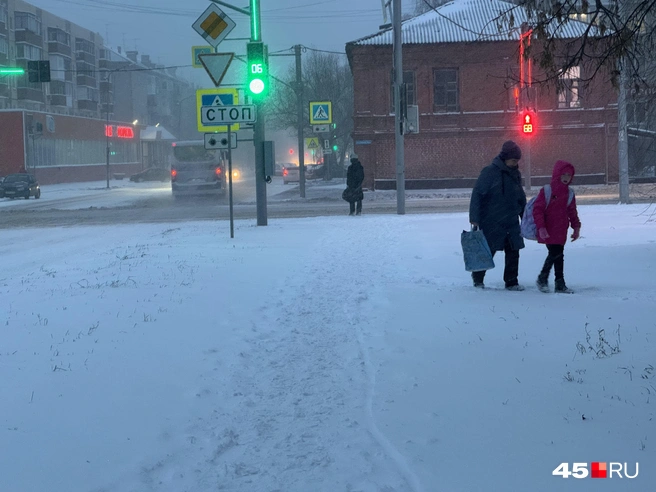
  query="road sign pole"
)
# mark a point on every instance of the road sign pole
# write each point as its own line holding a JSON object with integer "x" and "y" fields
{"x": 232, "y": 217}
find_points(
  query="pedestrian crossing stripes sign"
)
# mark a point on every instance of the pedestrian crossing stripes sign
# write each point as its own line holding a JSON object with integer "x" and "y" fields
{"x": 215, "y": 97}
{"x": 321, "y": 112}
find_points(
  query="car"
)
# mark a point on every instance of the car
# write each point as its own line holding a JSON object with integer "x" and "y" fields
{"x": 152, "y": 174}
{"x": 314, "y": 171}
{"x": 290, "y": 174}
{"x": 280, "y": 166}
{"x": 21, "y": 185}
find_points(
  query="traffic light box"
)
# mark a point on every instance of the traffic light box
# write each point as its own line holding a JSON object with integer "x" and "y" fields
{"x": 38, "y": 71}
{"x": 528, "y": 124}
{"x": 258, "y": 70}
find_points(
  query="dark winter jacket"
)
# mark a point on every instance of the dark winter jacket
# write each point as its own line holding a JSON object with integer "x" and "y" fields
{"x": 497, "y": 203}
{"x": 557, "y": 216}
{"x": 355, "y": 175}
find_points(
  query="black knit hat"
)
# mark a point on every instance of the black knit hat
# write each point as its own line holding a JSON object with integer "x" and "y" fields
{"x": 510, "y": 150}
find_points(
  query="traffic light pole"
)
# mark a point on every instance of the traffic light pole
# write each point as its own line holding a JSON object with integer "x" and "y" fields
{"x": 258, "y": 129}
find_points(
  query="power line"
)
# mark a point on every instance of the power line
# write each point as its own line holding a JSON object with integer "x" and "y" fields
{"x": 325, "y": 51}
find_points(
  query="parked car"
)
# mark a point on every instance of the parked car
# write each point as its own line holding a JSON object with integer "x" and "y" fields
{"x": 20, "y": 186}
{"x": 290, "y": 174}
{"x": 314, "y": 171}
{"x": 152, "y": 174}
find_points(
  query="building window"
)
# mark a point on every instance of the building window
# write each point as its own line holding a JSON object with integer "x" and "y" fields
{"x": 60, "y": 66}
{"x": 87, "y": 94}
{"x": 569, "y": 89}
{"x": 3, "y": 14}
{"x": 4, "y": 46}
{"x": 58, "y": 36}
{"x": 84, "y": 68}
{"x": 445, "y": 90}
{"x": 28, "y": 51}
{"x": 409, "y": 81}
{"x": 85, "y": 46}
{"x": 28, "y": 22}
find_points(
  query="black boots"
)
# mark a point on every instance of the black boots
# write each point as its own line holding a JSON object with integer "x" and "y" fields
{"x": 542, "y": 282}
{"x": 561, "y": 287}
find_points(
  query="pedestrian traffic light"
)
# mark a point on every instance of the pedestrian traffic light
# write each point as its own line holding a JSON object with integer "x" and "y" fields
{"x": 38, "y": 71}
{"x": 258, "y": 70}
{"x": 528, "y": 123}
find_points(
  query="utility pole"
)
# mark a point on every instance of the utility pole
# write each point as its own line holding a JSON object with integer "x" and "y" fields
{"x": 398, "y": 117}
{"x": 623, "y": 140}
{"x": 301, "y": 122}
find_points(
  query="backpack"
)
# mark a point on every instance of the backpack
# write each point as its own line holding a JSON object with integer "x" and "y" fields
{"x": 528, "y": 228}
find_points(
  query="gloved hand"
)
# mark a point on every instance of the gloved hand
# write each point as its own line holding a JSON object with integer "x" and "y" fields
{"x": 575, "y": 235}
{"x": 544, "y": 235}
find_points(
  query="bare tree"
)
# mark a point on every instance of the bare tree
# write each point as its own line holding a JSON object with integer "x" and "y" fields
{"x": 422, "y": 6}
{"x": 326, "y": 77}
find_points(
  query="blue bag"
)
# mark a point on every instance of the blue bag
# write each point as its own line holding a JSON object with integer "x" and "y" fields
{"x": 476, "y": 251}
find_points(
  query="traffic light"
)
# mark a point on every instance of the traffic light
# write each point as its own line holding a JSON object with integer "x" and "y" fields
{"x": 528, "y": 123}
{"x": 258, "y": 70}
{"x": 38, "y": 71}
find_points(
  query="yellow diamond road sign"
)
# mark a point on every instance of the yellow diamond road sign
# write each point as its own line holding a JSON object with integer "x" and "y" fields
{"x": 312, "y": 143}
{"x": 214, "y": 25}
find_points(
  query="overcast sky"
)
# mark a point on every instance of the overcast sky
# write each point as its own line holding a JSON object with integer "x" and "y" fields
{"x": 162, "y": 28}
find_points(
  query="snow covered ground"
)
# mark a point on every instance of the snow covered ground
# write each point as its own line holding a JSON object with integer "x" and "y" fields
{"x": 322, "y": 354}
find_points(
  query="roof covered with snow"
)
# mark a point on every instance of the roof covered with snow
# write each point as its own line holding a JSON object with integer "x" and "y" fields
{"x": 467, "y": 21}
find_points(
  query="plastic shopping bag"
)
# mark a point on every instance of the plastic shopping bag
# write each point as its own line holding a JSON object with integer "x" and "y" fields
{"x": 476, "y": 251}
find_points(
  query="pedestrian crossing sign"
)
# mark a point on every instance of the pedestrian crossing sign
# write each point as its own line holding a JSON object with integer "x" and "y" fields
{"x": 215, "y": 97}
{"x": 312, "y": 143}
{"x": 321, "y": 112}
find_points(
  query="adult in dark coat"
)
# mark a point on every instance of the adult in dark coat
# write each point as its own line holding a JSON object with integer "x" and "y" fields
{"x": 354, "y": 179}
{"x": 497, "y": 204}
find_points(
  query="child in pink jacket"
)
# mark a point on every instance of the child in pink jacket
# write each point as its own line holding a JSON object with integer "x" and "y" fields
{"x": 552, "y": 221}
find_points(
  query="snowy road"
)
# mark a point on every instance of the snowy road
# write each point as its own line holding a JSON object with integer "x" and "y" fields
{"x": 330, "y": 354}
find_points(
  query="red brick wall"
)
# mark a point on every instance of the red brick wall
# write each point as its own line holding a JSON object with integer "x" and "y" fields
{"x": 458, "y": 145}
{"x": 66, "y": 127}
{"x": 12, "y": 146}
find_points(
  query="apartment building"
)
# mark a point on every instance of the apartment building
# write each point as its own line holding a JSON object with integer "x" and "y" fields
{"x": 64, "y": 129}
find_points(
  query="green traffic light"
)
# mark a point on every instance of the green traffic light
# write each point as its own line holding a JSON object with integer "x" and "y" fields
{"x": 256, "y": 86}
{"x": 12, "y": 71}
{"x": 335, "y": 148}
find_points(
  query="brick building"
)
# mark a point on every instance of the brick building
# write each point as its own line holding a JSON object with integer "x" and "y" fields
{"x": 462, "y": 73}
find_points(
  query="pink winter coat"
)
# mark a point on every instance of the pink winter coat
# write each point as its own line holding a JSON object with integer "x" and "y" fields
{"x": 558, "y": 216}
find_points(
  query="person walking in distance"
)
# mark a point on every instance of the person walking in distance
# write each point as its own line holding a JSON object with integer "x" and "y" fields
{"x": 497, "y": 203}
{"x": 553, "y": 212}
{"x": 354, "y": 179}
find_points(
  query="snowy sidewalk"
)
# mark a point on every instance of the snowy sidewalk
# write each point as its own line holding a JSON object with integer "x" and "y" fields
{"x": 323, "y": 354}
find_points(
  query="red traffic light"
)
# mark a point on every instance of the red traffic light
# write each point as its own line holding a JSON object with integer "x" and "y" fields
{"x": 528, "y": 123}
